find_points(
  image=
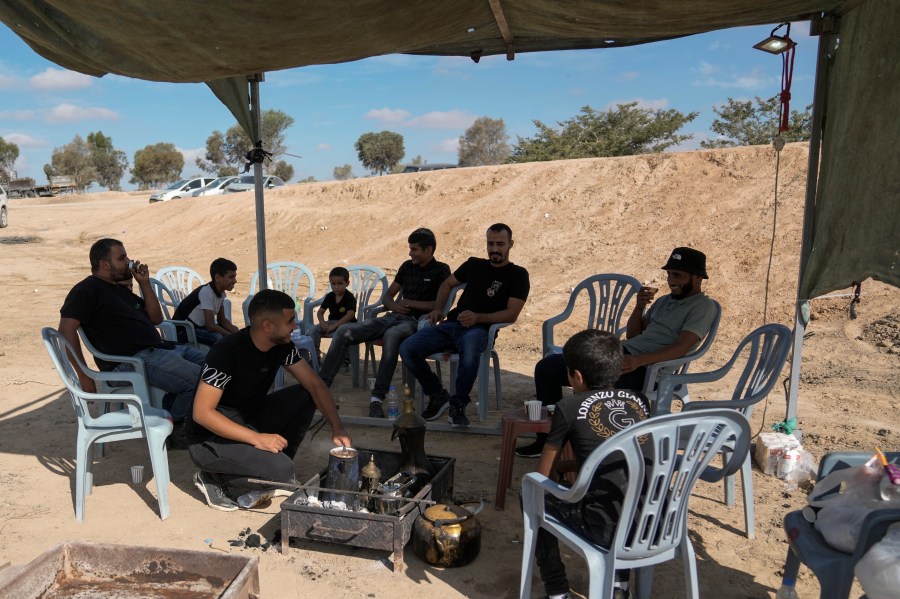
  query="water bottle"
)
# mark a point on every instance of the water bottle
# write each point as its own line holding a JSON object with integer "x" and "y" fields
{"x": 393, "y": 404}
{"x": 787, "y": 590}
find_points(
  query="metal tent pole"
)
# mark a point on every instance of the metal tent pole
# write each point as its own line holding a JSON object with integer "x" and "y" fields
{"x": 826, "y": 36}
{"x": 258, "y": 183}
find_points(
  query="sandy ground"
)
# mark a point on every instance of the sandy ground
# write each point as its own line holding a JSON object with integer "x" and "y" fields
{"x": 570, "y": 219}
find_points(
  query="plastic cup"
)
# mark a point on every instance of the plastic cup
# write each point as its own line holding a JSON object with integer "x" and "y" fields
{"x": 534, "y": 409}
{"x": 137, "y": 474}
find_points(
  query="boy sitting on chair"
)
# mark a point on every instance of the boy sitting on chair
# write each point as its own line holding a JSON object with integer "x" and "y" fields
{"x": 204, "y": 306}
{"x": 339, "y": 303}
{"x": 586, "y": 419}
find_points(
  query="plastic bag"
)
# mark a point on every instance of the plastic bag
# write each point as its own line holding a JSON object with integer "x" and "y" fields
{"x": 842, "y": 512}
{"x": 879, "y": 569}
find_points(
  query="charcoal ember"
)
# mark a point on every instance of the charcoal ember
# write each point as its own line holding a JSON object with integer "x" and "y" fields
{"x": 252, "y": 541}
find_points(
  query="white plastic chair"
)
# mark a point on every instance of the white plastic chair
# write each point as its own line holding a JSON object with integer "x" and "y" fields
{"x": 170, "y": 326}
{"x": 154, "y": 395}
{"x": 680, "y": 365}
{"x": 764, "y": 352}
{"x": 368, "y": 284}
{"x": 293, "y": 278}
{"x": 136, "y": 421}
{"x": 608, "y": 296}
{"x": 181, "y": 280}
{"x": 665, "y": 456}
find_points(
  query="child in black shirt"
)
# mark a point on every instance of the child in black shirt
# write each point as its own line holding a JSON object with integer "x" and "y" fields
{"x": 339, "y": 303}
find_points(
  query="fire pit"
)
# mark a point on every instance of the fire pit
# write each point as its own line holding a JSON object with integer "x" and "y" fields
{"x": 388, "y": 532}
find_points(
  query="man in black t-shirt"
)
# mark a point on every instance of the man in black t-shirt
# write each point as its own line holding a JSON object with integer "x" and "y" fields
{"x": 239, "y": 430}
{"x": 118, "y": 322}
{"x": 586, "y": 419}
{"x": 496, "y": 290}
{"x": 417, "y": 280}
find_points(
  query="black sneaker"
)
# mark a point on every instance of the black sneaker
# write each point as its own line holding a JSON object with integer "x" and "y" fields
{"x": 532, "y": 450}
{"x": 458, "y": 416}
{"x": 437, "y": 405}
{"x": 178, "y": 439}
{"x": 375, "y": 410}
{"x": 214, "y": 493}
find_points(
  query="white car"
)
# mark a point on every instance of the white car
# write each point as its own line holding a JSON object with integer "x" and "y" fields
{"x": 4, "y": 215}
{"x": 215, "y": 188}
{"x": 180, "y": 189}
{"x": 246, "y": 183}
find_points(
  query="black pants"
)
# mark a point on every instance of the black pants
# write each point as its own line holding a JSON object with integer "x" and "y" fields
{"x": 286, "y": 412}
{"x": 553, "y": 571}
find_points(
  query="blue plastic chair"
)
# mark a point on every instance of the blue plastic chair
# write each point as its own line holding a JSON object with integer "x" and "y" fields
{"x": 608, "y": 297}
{"x": 136, "y": 421}
{"x": 665, "y": 456}
{"x": 293, "y": 278}
{"x": 764, "y": 351}
{"x": 806, "y": 545}
{"x": 168, "y": 302}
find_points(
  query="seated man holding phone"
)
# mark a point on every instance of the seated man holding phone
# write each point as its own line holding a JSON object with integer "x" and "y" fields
{"x": 118, "y": 322}
{"x": 674, "y": 325}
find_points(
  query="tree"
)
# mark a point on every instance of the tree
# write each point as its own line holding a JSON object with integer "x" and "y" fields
{"x": 309, "y": 179}
{"x": 9, "y": 153}
{"x": 379, "y": 152}
{"x": 109, "y": 162}
{"x": 156, "y": 165}
{"x": 741, "y": 123}
{"x": 342, "y": 173}
{"x": 283, "y": 169}
{"x": 623, "y": 131}
{"x": 485, "y": 142}
{"x": 227, "y": 154}
{"x": 215, "y": 160}
{"x": 75, "y": 159}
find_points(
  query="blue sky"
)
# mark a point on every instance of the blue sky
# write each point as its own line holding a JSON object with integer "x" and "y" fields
{"x": 430, "y": 101}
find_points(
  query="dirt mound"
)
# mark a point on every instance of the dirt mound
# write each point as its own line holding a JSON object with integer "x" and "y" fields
{"x": 884, "y": 333}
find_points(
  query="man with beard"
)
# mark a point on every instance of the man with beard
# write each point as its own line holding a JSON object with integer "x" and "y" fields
{"x": 118, "y": 322}
{"x": 496, "y": 290}
{"x": 237, "y": 429}
{"x": 418, "y": 280}
{"x": 674, "y": 325}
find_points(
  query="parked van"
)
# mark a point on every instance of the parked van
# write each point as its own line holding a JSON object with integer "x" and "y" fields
{"x": 180, "y": 189}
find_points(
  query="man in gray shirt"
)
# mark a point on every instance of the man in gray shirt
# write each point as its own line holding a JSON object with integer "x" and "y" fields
{"x": 674, "y": 325}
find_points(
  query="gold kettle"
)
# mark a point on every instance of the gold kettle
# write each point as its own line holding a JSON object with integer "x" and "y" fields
{"x": 447, "y": 535}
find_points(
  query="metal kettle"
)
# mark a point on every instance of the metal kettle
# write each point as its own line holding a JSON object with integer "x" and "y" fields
{"x": 447, "y": 535}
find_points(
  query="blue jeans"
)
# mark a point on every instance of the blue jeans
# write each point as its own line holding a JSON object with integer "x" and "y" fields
{"x": 205, "y": 337}
{"x": 176, "y": 371}
{"x": 448, "y": 336}
{"x": 390, "y": 328}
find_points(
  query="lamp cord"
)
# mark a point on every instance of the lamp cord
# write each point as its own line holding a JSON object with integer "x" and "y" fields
{"x": 787, "y": 76}
{"x": 778, "y": 142}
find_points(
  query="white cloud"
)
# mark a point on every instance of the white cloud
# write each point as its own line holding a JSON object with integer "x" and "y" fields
{"x": 59, "y": 79}
{"x": 323, "y": 147}
{"x": 190, "y": 158}
{"x": 69, "y": 113}
{"x": 17, "y": 115}
{"x": 387, "y": 115}
{"x": 706, "y": 68}
{"x": 629, "y": 76}
{"x": 658, "y": 104}
{"x": 450, "y": 119}
{"x": 756, "y": 79}
{"x": 24, "y": 141}
{"x": 22, "y": 165}
{"x": 449, "y": 146}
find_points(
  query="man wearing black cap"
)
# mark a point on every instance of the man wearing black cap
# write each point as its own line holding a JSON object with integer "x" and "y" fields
{"x": 673, "y": 326}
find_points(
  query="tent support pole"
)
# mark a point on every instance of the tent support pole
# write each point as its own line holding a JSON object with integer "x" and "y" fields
{"x": 801, "y": 317}
{"x": 258, "y": 183}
